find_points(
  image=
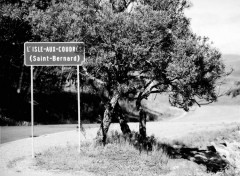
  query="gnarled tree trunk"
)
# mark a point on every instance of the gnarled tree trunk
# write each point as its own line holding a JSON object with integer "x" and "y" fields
{"x": 112, "y": 109}
{"x": 105, "y": 124}
{"x": 142, "y": 124}
{"x": 142, "y": 118}
{"x": 122, "y": 120}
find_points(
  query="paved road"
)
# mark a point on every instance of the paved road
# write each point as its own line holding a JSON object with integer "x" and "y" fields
{"x": 12, "y": 133}
{"x": 198, "y": 119}
{"x": 206, "y": 118}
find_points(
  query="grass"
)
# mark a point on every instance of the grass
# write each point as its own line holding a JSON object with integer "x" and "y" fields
{"x": 116, "y": 160}
{"x": 229, "y": 133}
{"x": 113, "y": 159}
{"x": 121, "y": 157}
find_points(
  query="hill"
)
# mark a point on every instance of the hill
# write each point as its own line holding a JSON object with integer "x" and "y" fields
{"x": 159, "y": 103}
{"x": 233, "y": 61}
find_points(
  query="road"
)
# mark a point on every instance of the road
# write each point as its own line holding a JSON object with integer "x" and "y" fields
{"x": 197, "y": 119}
{"x": 12, "y": 133}
{"x": 206, "y": 118}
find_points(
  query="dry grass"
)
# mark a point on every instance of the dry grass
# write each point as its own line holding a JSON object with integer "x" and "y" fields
{"x": 116, "y": 160}
{"x": 123, "y": 159}
{"x": 113, "y": 159}
{"x": 119, "y": 158}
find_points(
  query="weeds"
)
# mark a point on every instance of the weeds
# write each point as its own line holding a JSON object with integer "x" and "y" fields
{"x": 113, "y": 159}
{"x": 127, "y": 155}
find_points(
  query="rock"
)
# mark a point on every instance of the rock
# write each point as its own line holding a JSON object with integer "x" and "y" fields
{"x": 230, "y": 151}
{"x": 221, "y": 150}
{"x": 211, "y": 148}
{"x": 224, "y": 144}
{"x": 199, "y": 156}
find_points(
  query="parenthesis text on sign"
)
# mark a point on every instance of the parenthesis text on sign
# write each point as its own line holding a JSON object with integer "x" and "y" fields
{"x": 78, "y": 58}
{"x": 30, "y": 58}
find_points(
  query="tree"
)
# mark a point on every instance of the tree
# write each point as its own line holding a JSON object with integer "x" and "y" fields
{"x": 14, "y": 76}
{"x": 159, "y": 53}
{"x": 134, "y": 49}
{"x": 148, "y": 50}
{"x": 17, "y": 30}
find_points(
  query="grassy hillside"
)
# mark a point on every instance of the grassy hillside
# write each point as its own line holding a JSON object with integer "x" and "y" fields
{"x": 231, "y": 62}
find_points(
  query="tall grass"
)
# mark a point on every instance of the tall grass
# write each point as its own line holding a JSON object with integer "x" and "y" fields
{"x": 125, "y": 155}
{"x": 122, "y": 156}
{"x": 113, "y": 159}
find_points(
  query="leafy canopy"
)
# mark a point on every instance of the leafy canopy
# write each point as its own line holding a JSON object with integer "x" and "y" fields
{"x": 135, "y": 48}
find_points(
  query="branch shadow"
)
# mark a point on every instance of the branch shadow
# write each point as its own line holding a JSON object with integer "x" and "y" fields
{"x": 209, "y": 157}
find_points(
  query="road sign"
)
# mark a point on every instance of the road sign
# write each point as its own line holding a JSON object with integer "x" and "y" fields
{"x": 54, "y": 53}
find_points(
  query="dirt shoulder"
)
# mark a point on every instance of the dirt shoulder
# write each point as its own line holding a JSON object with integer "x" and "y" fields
{"x": 16, "y": 156}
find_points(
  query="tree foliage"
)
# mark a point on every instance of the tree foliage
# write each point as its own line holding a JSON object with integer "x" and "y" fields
{"x": 133, "y": 47}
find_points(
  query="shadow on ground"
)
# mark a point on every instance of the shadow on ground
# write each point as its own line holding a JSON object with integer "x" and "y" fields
{"x": 208, "y": 157}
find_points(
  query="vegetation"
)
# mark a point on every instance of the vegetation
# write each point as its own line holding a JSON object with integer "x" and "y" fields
{"x": 124, "y": 155}
{"x": 133, "y": 49}
{"x": 228, "y": 133}
{"x": 113, "y": 159}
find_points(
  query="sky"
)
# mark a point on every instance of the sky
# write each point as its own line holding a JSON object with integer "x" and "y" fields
{"x": 219, "y": 20}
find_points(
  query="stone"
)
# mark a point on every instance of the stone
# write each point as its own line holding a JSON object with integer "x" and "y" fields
{"x": 211, "y": 148}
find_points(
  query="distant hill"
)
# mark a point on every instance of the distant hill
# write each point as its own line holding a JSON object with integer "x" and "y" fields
{"x": 231, "y": 57}
{"x": 233, "y": 61}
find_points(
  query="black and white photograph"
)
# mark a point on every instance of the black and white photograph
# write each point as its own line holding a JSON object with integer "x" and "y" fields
{"x": 119, "y": 88}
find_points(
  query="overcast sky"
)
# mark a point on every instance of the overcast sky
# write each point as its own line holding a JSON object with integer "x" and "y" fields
{"x": 219, "y": 20}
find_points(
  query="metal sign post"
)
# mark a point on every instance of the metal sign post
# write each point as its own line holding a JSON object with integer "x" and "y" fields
{"x": 79, "y": 127}
{"x": 54, "y": 54}
{"x": 32, "y": 110}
